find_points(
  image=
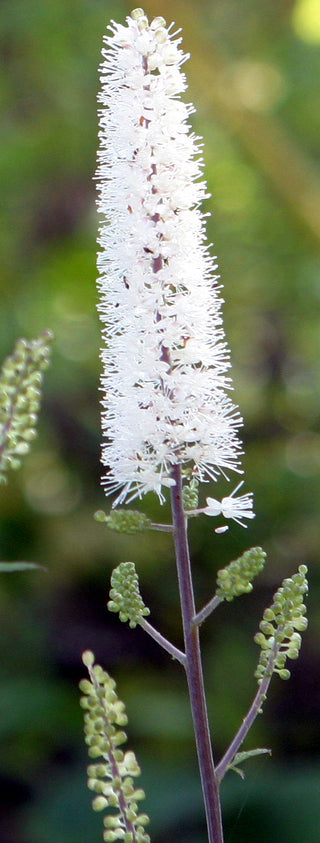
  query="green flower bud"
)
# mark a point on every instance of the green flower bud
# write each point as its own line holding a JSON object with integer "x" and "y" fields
{"x": 110, "y": 836}
{"x": 85, "y": 686}
{"x": 300, "y": 624}
{"x": 190, "y": 495}
{"x": 111, "y": 821}
{"x": 124, "y": 520}
{"x": 237, "y": 577}
{"x": 284, "y": 674}
{"x": 94, "y": 752}
{"x": 125, "y": 596}
{"x": 88, "y": 658}
{"x": 99, "y": 803}
{"x": 281, "y": 625}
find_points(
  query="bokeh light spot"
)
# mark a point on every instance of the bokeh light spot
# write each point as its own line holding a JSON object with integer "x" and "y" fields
{"x": 306, "y": 20}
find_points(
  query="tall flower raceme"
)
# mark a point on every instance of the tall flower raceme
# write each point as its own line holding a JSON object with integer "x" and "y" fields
{"x": 166, "y": 360}
{"x": 167, "y": 416}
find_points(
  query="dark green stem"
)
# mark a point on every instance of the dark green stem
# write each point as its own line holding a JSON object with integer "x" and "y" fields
{"x": 209, "y": 781}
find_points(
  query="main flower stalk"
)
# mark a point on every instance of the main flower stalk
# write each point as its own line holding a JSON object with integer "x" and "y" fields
{"x": 209, "y": 780}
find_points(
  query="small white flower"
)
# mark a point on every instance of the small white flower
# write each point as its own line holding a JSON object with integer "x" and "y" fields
{"x": 165, "y": 358}
{"x": 231, "y": 507}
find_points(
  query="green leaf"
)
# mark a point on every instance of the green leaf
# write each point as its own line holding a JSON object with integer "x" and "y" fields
{"x": 240, "y": 757}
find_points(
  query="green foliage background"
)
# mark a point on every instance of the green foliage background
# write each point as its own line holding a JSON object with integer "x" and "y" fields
{"x": 254, "y": 76}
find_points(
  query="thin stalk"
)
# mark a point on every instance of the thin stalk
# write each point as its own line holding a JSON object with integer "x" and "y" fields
{"x": 209, "y": 781}
{"x": 165, "y": 528}
{"x": 249, "y": 719}
{"x": 160, "y": 639}
{"x": 207, "y": 609}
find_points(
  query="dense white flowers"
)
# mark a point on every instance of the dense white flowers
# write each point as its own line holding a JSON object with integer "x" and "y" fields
{"x": 165, "y": 358}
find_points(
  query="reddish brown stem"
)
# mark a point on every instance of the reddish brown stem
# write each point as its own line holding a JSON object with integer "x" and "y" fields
{"x": 209, "y": 781}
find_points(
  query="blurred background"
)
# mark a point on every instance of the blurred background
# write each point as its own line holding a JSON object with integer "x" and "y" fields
{"x": 254, "y": 77}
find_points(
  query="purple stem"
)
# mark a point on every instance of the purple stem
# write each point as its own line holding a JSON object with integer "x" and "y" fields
{"x": 207, "y": 609}
{"x": 160, "y": 639}
{"x": 209, "y": 780}
{"x": 247, "y": 722}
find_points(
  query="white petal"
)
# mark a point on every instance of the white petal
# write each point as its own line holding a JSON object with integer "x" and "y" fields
{"x": 213, "y": 507}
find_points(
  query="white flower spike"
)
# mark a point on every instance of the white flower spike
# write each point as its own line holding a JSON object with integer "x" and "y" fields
{"x": 165, "y": 357}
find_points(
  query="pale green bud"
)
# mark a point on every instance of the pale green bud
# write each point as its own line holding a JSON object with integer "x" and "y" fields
{"x": 300, "y": 624}
{"x": 158, "y": 23}
{"x": 190, "y": 495}
{"x": 124, "y": 520}
{"x": 284, "y": 674}
{"x": 99, "y": 803}
{"x": 236, "y": 578}
{"x": 85, "y": 686}
{"x": 280, "y": 627}
{"x": 125, "y": 597}
{"x": 137, "y": 13}
{"x": 88, "y": 658}
{"x": 110, "y": 836}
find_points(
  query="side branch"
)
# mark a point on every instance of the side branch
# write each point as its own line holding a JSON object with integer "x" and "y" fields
{"x": 207, "y": 609}
{"x": 173, "y": 651}
{"x": 254, "y": 710}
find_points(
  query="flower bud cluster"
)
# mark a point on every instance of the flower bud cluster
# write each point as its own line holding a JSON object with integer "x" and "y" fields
{"x": 236, "y": 578}
{"x": 279, "y": 636}
{"x": 190, "y": 494}
{"x": 111, "y": 774}
{"x": 124, "y": 520}
{"x": 125, "y": 596}
{"x": 20, "y": 394}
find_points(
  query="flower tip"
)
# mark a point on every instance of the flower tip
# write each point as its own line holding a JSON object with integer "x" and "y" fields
{"x": 137, "y": 13}
{"x": 88, "y": 658}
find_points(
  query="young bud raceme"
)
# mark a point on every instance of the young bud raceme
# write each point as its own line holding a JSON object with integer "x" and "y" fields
{"x": 112, "y": 771}
{"x": 280, "y": 628}
{"x": 124, "y": 520}
{"x": 20, "y": 396}
{"x": 236, "y": 578}
{"x": 165, "y": 359}
{"x": 125, "y": 596}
